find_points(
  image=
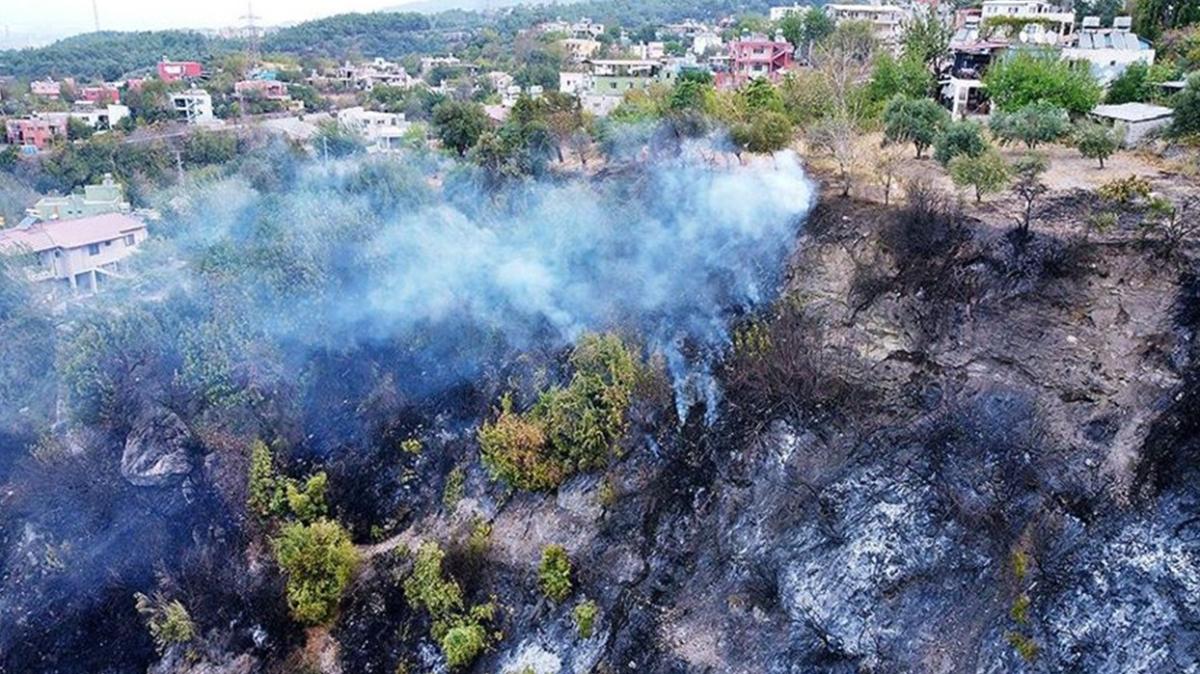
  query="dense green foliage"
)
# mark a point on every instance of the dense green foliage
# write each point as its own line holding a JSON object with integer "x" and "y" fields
{"x": 986, "y": 172}
{"x": 1025, "y": 78}
{"x": 388, "y": 34}
{"x": 914, "y": 120}
{"x": 569, "y": 429}
{"x": 963, "y": 137}
{"x": 318, "y": 559}
{"x": 1132, "y": 85}
{"x": 585, "y": 617}
{"x": 1095, "y": 141}
{"x": 459, "y": 632}
{"x": 167, "y": 620}
{"x": 554, "y": 573}
{"x": 109, "y": 55}
{"x": 1033, "y": 124}
{"x": 459, "y": 125}
{"x": 1187, "y": 109}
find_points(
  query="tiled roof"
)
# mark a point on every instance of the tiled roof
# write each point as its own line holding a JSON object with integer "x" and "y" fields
{"x": 74, "y": 233}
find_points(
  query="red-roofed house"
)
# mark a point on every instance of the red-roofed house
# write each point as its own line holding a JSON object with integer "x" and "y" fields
{"x": 173, "y": 71}
{"x": 79, "y": 252}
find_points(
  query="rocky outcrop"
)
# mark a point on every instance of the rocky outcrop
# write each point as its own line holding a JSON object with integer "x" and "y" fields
{"x": 157, "y": 450}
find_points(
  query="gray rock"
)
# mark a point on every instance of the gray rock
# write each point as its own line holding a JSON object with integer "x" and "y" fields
{"x": 157, "y": 450}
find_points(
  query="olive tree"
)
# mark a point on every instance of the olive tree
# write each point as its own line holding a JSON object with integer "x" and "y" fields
{"x": 1096, "y": 141}
{"x": 914, "y": 120}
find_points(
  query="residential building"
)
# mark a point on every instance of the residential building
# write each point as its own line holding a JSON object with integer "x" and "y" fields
{"x": 586, "y": 28}
{"x": 499, "y": 80}
{"x": 886, "y": 20}
{"x": 193, "y": 106}
{"x": 98, "y": 117}
{"x": 107, "y": 197}
{"x": 579, "y": 49}
{"x": 365, "y": 76}
{"x": 1109, "y": 50}
{"x": 35, "y": 133}
{"x": 430, "y": 62}
{"x": 603, "y": 85}
{"x": 382, "y": 131}
{"x": 962, "y": 82}
{"x": 100, "y": 94}
{"x": 1044, "y": 23}
{"x": 270, "y": 90}
{"x": 649, "y": 50}
{"x": 1136, "y": 121}
{"x": 513, "y": 92}
{"x": 754, "y": 57}
{"x": 79, "y": 253}
{"x": 174, "y": 71}
{"x": 45, "y": 88}
{"x": 779, "y": 13}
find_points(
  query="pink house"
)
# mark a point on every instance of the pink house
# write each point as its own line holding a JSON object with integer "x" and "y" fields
{"x": 173, "y": 71}
{"x": 35, "y": 132}
{"x": 755, "y": 57}
{"x": 101, "y": 94}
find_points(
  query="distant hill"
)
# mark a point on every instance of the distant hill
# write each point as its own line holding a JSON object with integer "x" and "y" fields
{"x": 107, "y": 54}
{"x": 390, "y": 34}
{"x": 436, "y": 6}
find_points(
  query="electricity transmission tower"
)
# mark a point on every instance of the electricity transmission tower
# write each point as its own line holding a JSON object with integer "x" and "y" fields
{"x": 96, "y": 15}
{"x": 251, "y": 29}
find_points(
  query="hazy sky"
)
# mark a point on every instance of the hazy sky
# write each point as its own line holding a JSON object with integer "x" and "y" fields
{"x": 74, "y": 16}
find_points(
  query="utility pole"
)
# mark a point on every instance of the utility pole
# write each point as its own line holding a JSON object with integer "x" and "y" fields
{"x": 96, "y": 15}
{"x": 251, "y": 32}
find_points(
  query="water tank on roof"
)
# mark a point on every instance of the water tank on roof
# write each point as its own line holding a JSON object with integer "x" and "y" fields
{"x": 1122, "y": 23}
{"x": 1090, "y": 22}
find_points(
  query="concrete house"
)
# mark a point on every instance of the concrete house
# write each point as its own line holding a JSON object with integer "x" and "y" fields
{"x": 1109, "y": 51}
{"x": 1135, "y": 120}
{"x": 81, "y": 253}
{"x": 107, "y": 197}
{"x": 193, "y": 106}
{"x": 887, "y": 21}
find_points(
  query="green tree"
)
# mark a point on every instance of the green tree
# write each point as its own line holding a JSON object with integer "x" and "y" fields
{"x": 1131, "y": 86}
{"x": 959, "y": 138}
{"x": 167, "y": 620}
{"x": 318, "y": 559}
{"x": 337, "y": 140}
{"x": 459, "y": 125}
{"x": 1187, "y": 109}
{"x": 554, "y": 573}
{"x": 986, "y": 172}
{"x": 1152, "y": 17}
{"x": 77, "y": 129}
{"x": 916, "y": 121}
{"x": 307, "y": 501}
{"x": 761, "y": 96}
{"x": 927, "y": 41}
{"x": 1095, "y": 141}
{"x": 262, "y": 487}
{"x": 1033, "y": 124}
{"x": 1025, "y": 77}
{"x": 891, "y": 77}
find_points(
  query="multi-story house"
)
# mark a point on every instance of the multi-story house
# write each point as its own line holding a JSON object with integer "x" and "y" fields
{"x": 79, "y": 253}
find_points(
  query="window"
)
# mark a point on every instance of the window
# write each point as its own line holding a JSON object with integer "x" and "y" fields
{"x": 93, "y": 249}
{"x": 129, "y": 240}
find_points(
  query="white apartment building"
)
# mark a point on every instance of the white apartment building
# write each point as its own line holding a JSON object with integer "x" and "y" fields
{"x": 383, "y": 131}
{"x": 887, "y": 20}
